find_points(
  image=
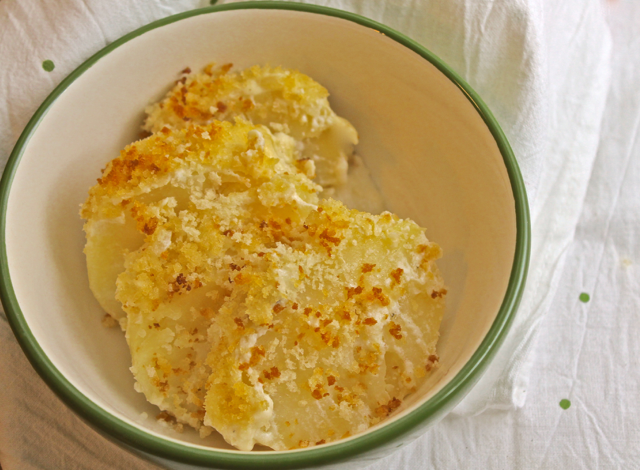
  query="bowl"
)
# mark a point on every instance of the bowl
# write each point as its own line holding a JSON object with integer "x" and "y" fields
{"x": 434, "y": 150}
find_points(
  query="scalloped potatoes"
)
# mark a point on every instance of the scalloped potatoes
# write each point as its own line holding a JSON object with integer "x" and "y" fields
{"x": 252, "y": 304}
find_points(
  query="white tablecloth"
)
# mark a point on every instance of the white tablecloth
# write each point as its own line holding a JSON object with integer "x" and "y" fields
{"x": 586, "y": 352}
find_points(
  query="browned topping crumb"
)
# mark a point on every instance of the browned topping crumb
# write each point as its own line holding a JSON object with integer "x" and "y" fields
{"x": 397, "y": 275}
{"x": 221, "y": 107}
{"x": 367, "y": 268}
{"x": 353, "y": 291}
{"x": 370, "y": 321}
{"x": 256, "y": 352}
{"x": 432, "y": 363}
{"x": 394, "y": 403}
{"x": 385, "y": 410}
{"x": 438, "y": 294}
{"x": 150, "y": 226}
{"x": 329, "y": 235}
{"x": 395, "y": 330}
{"x": 377, "y": 293}
{"x": 274, "y": 373}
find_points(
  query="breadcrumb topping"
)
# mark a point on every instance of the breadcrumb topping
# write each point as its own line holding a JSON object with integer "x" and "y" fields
{"x": 251, "y": 305}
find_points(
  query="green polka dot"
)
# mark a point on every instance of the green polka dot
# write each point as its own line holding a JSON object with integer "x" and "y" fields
{"x": 213, "y": 2}
{"x": 564, "y": 404}
{"x": 584, "y": 297}
{"x": 48, "y": 65}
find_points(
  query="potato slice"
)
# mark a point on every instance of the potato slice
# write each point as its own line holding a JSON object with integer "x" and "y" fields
{"x": 327, "y": 333}
{"x": 284, "y": 100}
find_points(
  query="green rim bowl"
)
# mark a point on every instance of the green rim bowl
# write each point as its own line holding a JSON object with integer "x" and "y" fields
{"x": 434, "y": 150}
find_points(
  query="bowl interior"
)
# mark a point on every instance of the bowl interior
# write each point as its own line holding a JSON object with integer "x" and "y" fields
{"x": 429, "y": 151}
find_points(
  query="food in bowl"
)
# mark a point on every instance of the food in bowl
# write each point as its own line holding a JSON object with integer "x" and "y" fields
{"x": 253, "y": 303}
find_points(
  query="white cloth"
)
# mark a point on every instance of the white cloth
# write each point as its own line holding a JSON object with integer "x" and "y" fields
{"x": 544, "y": 69}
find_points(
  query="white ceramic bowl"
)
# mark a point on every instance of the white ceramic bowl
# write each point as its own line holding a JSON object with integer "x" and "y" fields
{"x": 433, "y": 148}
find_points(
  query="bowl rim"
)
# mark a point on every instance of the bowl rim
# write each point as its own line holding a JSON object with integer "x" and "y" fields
{"x": 139, "y": 439}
